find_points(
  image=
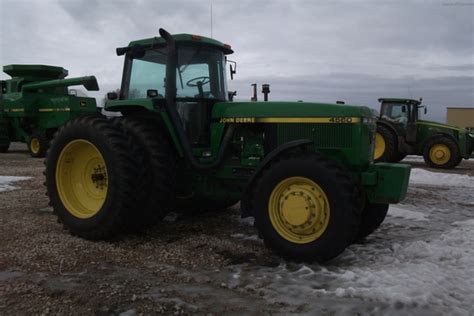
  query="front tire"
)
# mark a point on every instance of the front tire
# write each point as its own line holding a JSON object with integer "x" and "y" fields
{"x": 305, "y": 208}
{"x": 441, "y": 153}
{"x": 38, "y": 145}
{"x": 373, "y": 216}
{"x": 91, "y": 177}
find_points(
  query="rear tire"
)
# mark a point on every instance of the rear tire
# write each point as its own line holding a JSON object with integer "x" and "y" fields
{"x": 38, "y": 145}
{"x": 385, "y": 145}
{"x": 372, "y": 217}
{"x": 92, "y": 175}
{"x": 306, "y": 208}
{"x": 160, "y": 163}
{"x": 441, "y": 153}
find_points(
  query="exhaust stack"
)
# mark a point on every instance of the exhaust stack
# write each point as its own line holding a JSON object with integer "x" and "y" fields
{"x": 265, "y": 91}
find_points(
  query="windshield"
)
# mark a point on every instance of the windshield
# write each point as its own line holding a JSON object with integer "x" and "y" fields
{"x": 200, "y": 73}
{"x": 395, "y": 112}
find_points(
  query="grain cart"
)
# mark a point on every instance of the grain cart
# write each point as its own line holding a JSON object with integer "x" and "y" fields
{"x": 304, "y": 171}
{"x": 400, "y": 132}
{"x": 35, "y": 102}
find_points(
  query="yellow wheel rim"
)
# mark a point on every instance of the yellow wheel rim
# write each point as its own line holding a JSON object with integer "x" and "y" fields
{"x": 81, "y": 178}
{"x": 299, "y": 210}
{"x": 34, "y": 145}
{"x": 379, "y": 146}
{"x": 440, "y": 154}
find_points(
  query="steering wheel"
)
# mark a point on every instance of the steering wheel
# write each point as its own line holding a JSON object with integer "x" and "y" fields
{"x": 203, "y": 80}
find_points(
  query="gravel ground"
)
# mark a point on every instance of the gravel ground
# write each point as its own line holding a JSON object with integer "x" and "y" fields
{"x": 186, "y": 265}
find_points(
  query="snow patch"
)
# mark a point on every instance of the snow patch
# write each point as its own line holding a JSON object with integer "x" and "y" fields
{"x": 435, "y": 274}
{"x": 246, "y": 237}
{"x": 395, "y": 211}
{"x": 420, "y": 273}
{"x": 421, "y": 176}
{"x": 414, "y": 158}
{"x": 5, "y": 182}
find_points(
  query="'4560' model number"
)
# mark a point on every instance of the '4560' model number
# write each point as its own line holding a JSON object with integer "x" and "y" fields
{"x": 340, "y": 120}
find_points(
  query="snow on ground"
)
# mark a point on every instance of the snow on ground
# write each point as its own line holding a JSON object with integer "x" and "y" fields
{"x": 420, "y": 261}
{"x": 5, "y": 182}
{"x": 396, "y": 211}
{"x": 421, "y": 176}
{"x": 412, "y": 158}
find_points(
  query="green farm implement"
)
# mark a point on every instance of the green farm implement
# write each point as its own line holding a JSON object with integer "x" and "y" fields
{"x": 35, "y": 102}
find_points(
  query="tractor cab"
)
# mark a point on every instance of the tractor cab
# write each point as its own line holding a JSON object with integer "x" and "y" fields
{"x": 402, "y": 114}
{"x": 190, "y": 74}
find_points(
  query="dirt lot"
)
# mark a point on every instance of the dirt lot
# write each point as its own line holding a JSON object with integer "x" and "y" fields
{"x": 211, "y": 263}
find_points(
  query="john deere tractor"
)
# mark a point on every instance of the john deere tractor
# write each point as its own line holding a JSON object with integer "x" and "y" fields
{"x": 304, "y": 171}
{"x": 400, "y": 132}
{"x": 35, "y": 102}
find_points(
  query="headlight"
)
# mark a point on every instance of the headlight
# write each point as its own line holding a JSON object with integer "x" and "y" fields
{"x": 369, "y": 120}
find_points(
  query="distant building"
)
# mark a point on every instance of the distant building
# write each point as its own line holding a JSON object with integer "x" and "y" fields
{"x": 461, "y": 117}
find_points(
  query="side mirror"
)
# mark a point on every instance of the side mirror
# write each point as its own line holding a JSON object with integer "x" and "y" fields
{"x": 151, "y": 93}
{"x": 425, "y": 109}
{"x": 112, "y": 95}
{"x": 404, "y": 109}
{"x": 233, "y": 69}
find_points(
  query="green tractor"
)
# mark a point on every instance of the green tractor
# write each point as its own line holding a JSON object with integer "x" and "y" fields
{"x": 304, "y": 171}
{"x": 35, "y": 102}
{"x": 400, "y": 132}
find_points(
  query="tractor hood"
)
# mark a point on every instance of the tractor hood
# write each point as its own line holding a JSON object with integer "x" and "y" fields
{"x": 287, "y": 110}
{"x": 441, "y": 125}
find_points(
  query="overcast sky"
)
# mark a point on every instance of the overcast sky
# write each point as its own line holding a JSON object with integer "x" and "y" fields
{"x": 308, "y": 50}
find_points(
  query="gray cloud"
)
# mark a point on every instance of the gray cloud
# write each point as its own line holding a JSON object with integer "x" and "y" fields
{"x": 310, "y": 50}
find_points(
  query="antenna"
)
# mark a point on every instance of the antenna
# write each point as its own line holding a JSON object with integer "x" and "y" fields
{"x": 211, "y": 20}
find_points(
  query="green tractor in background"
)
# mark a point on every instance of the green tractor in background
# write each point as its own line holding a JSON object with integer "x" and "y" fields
{"x": 36, "y": 102}
{"x": 304, "y": 171}
{"x": 400, "y": 132}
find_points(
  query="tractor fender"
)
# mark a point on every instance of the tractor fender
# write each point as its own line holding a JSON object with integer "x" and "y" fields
{"x": 275, "y": 153}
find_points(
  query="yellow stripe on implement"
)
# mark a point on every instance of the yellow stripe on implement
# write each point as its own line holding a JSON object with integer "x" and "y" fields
{"x": 14, "y": 110}
{"x": 330, "y": 120}
{"x": 54, "y": 110}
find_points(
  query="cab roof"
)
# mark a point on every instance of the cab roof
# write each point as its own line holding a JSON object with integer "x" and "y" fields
{"x": 181, "y": 38}
{"x": 399, "y": 100}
